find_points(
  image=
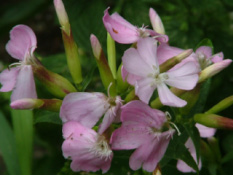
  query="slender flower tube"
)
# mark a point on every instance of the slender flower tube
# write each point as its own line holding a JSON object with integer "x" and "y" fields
{"x": 71, "y": 48}
{"x": 88, "y": 108}
{"x": 144, "y": 129}
{"x": 88, "y": 150}
{"x": 125, "y": 33}
{"x": 146, "y": 67}
{"x": 29, "y": 103}
{"x": 19, "y": 79}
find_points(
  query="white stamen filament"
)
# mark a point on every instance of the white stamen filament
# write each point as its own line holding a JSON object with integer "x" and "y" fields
{"x": 101, "y": 148}
{"x": 177, "y": 129}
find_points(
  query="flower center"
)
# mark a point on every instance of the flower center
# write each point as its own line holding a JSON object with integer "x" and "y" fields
{"x": 101, "y": 148}
{"x": 203, "y": 60}
{"x": 142, "y": 32}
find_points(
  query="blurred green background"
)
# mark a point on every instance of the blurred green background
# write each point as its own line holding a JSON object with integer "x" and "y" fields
{"x": 186, "y": 23}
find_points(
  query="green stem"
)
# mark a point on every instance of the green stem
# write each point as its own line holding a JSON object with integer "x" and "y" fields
{"x": 23, "y": 130}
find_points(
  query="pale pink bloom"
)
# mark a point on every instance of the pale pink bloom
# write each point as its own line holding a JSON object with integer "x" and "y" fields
{"x": 88, "y": 150}
{"x": 205, "y": 132}
{"x": 124, "y": 32}
{"x": 146, "y": 67}
{"x": 144, "y": 129}
{"x": 205, "y": 58}
{"x": 87, "y": 108}
{"x": 20, "y": 78}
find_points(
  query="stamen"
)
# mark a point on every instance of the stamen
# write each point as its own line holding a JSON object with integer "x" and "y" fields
{"x": 168, "y": 115}
{"x": 177, "y": 129}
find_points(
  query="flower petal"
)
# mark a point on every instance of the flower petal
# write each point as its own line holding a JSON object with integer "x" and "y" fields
{"x": 217, "y": 57}
{"x": 165, "y": 52}
{"x": 131, "y": 78}
{"x": 144, "y": 89}
{"x": 25, "y": 84}
{"x": 139, "y": 66}
{"x": 120, "y": 29}
{"x": 147, "y": 48}
{"x": 205, "y": 50}
{"x": 159, "y": 149}
{"x": 137, "y": 112}
{"x": 8, "y": 79}
{"x": 85, "y": 108}
{"x": 22, "y": 41}
{"x": 204, "y": 131}
{"x": 129, "y": 137}
{"x": 168, "y": 98}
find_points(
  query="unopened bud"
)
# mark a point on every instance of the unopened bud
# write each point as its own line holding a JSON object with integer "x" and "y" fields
{"x": 29, "y": 103}
{"x": 156, "y": 22}
{"x": 175, "y": 60}
{"x": 214, "y": 121}
{"x": 55, "y": 83}
{"x": 157, "y": 171}
{"x": 225, "y": 103}
{"x": 213, "y": 69}
{"x": 62, "y": 16}
{"x": 104, "y": 69}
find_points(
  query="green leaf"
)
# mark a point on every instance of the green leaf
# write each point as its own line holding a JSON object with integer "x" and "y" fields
{"x": 8, "y": 147}
{"x": 48, "y": 117}
{"x": 177, "y": 150}
{"x": 23, "y": 129}
{"x": 195, "y": 136}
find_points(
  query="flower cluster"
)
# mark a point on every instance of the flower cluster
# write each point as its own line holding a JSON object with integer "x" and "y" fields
{"x": 95, "y": 125}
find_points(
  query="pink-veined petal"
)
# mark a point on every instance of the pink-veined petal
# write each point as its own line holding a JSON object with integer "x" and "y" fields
{"x": 22, "y": 41}
{"x": 168, "y": 98}
{"x": 85, "y": 108}
{"x": 217, "y": 57}
{"x": 129, "y": 137}
{"x": 120, "y": 30}
{"x": 25, "y": 84}
{"x": 147, "y": 48}
{"x": 205, "y": 50}
{"x": 159, "y": 149}
{"x": 134, "y": 64}
{"x": 8, "y": 79}
{"x": 137, "y": 112}
{"x": 144, "y": 89}
{"x": 204, "y": 131}
{"x": 186, "y": 82}
{"x": 165, "y": 52}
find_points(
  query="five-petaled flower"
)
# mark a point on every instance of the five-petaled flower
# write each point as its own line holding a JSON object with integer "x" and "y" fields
{"x": 20, "y": 78}
{"x": 143, "y": 63}
{"x": 144, "y": 129}
{"x": 88, "y": 150}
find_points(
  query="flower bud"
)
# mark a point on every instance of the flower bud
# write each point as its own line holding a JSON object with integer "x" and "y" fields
{"x": 105, "y": 72}
{"x": 213, "y": 69}
{"x": 225, "y": 103}
{"x": 62, "y": 16}
{"x": 214, "y": 121}
{"x": 111, "y": 54}
{"x": 55, "y": 83}
{"x": 156, "y": 22}
{"x": 30, "y": 103}
{"x": 175, "y": 60}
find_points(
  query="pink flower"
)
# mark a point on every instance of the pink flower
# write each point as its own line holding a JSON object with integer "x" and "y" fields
{"x": 205, "y": 132}
{"x": 205, "y": 58}
{"x": 156, "y": 21}
{"x": 124, "y": 32}
{"x": 146, "y": 67}
{"x": 145, "y": 130}
{"x": 88, "y": 108}
{"x": 20, "y": 78}
{"x": 88, "y": 150}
